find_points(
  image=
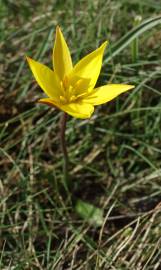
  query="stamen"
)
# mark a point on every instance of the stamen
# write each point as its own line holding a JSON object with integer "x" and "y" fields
{"x": 78, "y": 83}
{"x": 65, "y": 82}
{"x": 81, "y": 95}
{"x": 71, "y": 93}
{"x": 70, "y": 90}
{"x": 73, "y": 98}
{"x": 63, "y": 100}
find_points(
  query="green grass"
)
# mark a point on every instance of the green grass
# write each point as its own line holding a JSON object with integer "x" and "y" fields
{"x": 114, "y": 156}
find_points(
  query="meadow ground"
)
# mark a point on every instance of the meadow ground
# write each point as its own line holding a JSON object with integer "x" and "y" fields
{"x": 115, "y": 156}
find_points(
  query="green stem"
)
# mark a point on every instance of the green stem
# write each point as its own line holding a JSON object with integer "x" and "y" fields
{"x": 135, "y": 43}
{"x": 63, "y": 122}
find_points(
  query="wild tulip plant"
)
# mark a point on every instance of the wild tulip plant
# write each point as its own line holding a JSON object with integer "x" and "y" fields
{"x": 71, "y": 88}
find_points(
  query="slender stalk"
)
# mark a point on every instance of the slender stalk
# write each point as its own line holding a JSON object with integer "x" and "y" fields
{"x": 135, "y": 43}
{"x": 63, "y": 122}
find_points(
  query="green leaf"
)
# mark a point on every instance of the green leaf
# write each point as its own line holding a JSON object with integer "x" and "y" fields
{"x": 89, "y": 213}
{"x": 130, "y": 36}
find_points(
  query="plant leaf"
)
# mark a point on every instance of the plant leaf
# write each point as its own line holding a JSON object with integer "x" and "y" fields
{"x": 130, "y": 36}
{"x": 89, "y": 212}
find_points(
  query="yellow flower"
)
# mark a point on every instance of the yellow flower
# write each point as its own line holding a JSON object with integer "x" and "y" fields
{"x": 71, "y": 88}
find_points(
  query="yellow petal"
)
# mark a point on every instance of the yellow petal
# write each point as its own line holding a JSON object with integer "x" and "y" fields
{"x": 46, "y": 78}
{"x": 106, "y": 93}
{"x": 77, "y": 110}
{"x": 80, "y": 85}
{"x": 48, "y": 101}
{"x": 89, "y": 67}
{"x": 62, "y": 62}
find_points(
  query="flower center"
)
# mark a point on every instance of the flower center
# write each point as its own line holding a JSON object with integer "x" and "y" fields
{"x": 71, "y": 92}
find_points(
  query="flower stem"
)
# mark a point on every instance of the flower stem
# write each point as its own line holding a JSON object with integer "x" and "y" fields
{"x": 63, "y": 122}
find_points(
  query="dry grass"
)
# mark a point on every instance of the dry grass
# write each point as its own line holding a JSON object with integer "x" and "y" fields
{"x": 114, "y": 156}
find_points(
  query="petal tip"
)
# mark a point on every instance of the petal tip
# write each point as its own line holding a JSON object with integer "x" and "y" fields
{"x": 41, "y": 101}
{"x": 28, "y": 59}
{"x": 46, "y": 101}
{"x": 131, "y": 86}
{"x": 104, "y": 45}
{"x": 58, "y": 30}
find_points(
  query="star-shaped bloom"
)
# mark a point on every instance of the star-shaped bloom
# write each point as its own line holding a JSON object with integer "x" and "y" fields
{"x": 72, "y": 88}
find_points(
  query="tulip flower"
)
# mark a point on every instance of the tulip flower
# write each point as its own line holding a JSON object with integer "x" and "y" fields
{"x": 71, "y": 88}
